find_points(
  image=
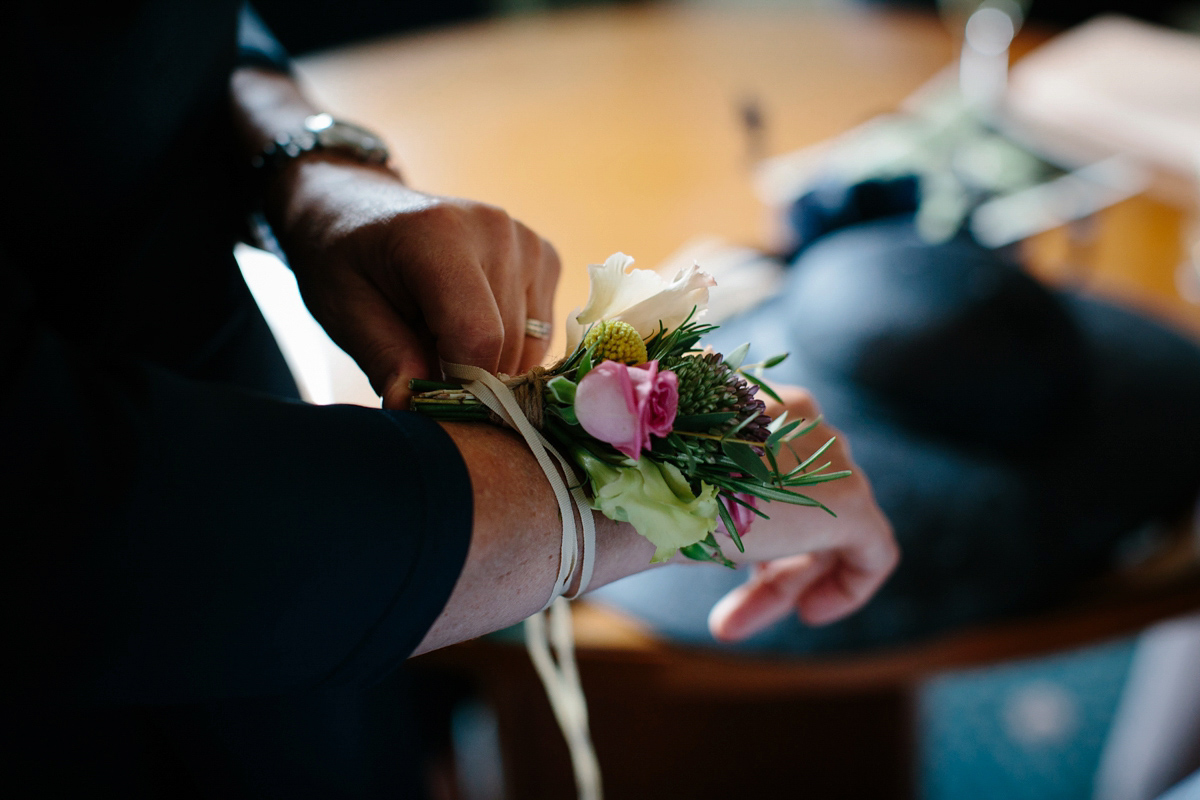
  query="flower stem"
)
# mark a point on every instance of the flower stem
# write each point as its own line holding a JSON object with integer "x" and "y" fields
{"x": 719, "y": 438}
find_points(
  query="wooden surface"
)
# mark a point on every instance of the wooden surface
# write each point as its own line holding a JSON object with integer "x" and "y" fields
{"x": 659, "y": 714}
{"x": 618, "y": 129}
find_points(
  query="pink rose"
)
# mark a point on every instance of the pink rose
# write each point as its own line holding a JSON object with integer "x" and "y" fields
{"x": 623, "y": 405}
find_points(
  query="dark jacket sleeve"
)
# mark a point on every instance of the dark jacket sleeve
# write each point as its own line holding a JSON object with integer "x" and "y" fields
{"x": 170, "y": 539}
{"x": 257, "y": 46}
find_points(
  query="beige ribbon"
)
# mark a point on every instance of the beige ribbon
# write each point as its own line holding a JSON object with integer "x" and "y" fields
{"x": 559, "y": 673}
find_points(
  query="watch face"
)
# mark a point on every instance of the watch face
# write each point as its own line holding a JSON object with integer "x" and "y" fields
{"x": 318, "y": 122}
{"x": 336, "y": 135}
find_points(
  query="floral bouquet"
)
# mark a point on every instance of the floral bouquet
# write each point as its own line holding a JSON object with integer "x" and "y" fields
{"x": 672, "y": 438}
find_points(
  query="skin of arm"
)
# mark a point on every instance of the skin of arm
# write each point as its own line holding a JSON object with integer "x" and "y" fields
{"x": 397, "y": 277}
{"x": 515, "y": 540}
{"x": 825, "y": 567}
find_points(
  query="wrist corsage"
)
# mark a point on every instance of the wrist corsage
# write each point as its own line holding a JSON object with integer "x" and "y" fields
{"x": 672, "y": 439}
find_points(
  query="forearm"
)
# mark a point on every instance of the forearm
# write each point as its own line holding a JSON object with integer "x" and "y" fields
{"x": 516, "y": 538}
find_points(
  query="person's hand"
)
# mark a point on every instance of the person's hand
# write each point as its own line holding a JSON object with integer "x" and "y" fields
{"x": 810, "y": 563}
{"x": 400, "y": 279}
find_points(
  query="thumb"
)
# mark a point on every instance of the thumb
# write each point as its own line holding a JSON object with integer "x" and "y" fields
{"x": 384, "y": 347}
{"x": 396, "y": 393}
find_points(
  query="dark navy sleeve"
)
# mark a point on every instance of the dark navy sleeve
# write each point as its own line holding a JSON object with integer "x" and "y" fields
{"x": 257, "y": 46}
{"x": 170, "y": 539}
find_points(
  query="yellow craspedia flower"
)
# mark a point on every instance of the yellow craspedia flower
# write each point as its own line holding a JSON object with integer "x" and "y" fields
{"x": 616, "y": 341}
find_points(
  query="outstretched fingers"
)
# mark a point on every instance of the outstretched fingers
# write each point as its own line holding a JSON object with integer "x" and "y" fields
{"x": 820, "y": 587}
{"x": 767, "y": 597}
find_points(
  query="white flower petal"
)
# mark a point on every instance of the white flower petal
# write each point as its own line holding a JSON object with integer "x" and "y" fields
{"x": 671, "y": 305}
{"x": 575, "y": 331}
{"x": 640, "y": 297}
{"x": 605, "y": 282}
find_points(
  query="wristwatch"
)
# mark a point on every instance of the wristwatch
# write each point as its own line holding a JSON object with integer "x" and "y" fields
{"x": 321, "y": 132}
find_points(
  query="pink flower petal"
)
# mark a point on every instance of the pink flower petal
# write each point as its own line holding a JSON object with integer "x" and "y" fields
{"x": 623, "y": 405}
{"x": 606, "y": 406}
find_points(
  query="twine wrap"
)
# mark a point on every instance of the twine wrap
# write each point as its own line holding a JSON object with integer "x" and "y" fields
{"x": 529, "y": 390}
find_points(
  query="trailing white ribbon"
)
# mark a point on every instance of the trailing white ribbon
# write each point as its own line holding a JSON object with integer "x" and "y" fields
{"x": 561, "y": 680}
{"x": 559, "y": 677}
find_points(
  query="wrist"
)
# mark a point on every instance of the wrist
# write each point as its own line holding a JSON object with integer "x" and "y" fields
{"x": 283, "y": 136}
{"x": 320, "y": 133}
{"x": 317, "y": 194}
{"x": 282, "y": 163}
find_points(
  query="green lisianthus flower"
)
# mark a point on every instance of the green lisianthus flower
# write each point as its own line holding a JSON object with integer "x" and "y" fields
{"x": 655, "y": 499}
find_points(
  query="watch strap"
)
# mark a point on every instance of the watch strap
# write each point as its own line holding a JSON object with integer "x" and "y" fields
{"x": 321, "y": 132}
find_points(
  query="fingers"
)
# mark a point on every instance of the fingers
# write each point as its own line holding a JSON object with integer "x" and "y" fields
{"x": 507, "y": 277}
{"x": 388, "y": 350}
{"x": 838, "y": 592}
{"x": 476, "y": 289}
{"x": 540, "y": 305}
{"x": 453, "y": 293}
{"x": 767, "y": 597}
{"x": 847, "y": 557}
{"x": 524, "y": 288}
{"x": 412, "y": 283}
{"x": 396, "y": 393}
{"x": 855, "y": 576}
{"x": 512, "y": 313}
{"x": 821, "y": 587}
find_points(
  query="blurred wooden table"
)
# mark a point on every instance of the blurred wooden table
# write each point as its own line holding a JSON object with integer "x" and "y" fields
{"x": 619, "y": 128}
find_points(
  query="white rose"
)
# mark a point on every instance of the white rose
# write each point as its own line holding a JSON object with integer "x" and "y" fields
{"x": 639, "y": 297}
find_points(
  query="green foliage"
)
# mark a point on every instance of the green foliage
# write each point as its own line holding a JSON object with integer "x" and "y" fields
{"x": 562, "y": 390}
{"x": 730, "y": 526}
